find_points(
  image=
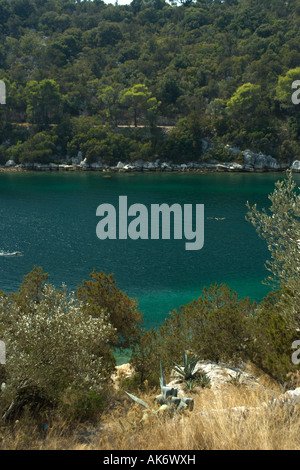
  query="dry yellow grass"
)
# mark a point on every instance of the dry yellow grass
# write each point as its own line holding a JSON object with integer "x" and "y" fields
{"x": 212, "y": 425}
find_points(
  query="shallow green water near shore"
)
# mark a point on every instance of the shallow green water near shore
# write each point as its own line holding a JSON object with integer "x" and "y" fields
{"x": 51, "y": 219}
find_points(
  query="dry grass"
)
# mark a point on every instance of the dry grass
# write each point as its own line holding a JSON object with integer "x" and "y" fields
{"x": 212, "y": 425}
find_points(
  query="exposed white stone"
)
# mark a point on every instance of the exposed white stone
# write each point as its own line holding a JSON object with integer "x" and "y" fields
{"x": 165, "y": 165}
{"x": 219, "y": 374}
{"x": 259, "y": 161}
{"x": 128, "y": 167}
{"x": 292, "y": 397}
{"x": 235, "y": 167}
{"x": 10, "y": 163}
{"x": 296, "y": 165}
{"x": 84, "y": 163}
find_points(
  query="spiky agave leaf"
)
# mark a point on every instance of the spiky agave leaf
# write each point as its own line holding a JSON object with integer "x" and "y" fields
{"x": 189, "y": 402}
{"x": 188, "y": 368}
{"x": 174, "y": 401}
{"x": 162, "y": 380}
{"x": 193, "y": 362}
{"x": 185, "y": 361}
{"x": 181, "y": 405}
{"x": 168, "y": 391}
{"x": 179, "y": 371}
{"x": 138, "y": 400}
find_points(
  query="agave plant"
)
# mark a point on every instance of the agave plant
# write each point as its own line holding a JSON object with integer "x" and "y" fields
{"x": 203, "y": 379}
{"x": 187, "y": 371}
{"x": 168, "y": 399}
{"x": 189, "y": 374}
{"x": 236, "y": 380}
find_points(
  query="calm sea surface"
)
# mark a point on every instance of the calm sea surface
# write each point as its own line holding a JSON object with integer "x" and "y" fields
{"x": 51, "y": 218}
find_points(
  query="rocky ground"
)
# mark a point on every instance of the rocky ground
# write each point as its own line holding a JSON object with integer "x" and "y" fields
{"x": 219, "y": 375}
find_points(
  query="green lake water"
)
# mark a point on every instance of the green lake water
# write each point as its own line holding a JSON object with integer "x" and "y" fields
{"x": 51, "y": 219}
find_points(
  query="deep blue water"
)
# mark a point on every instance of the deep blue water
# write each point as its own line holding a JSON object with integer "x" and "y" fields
{"x": 51, "y": 218}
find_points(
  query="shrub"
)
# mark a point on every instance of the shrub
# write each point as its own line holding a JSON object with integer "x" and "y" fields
{"x": 76, "y": 406}
{"x": 52, "y": 346}
{"x": 214, "y": 326}
{"x": 270, "y": 345}
{"x": 280, "y": 228}
{"x": 102, "y": 294}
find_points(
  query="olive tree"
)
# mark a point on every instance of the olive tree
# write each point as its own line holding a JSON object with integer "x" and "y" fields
{"x": 52, "y": 346}
{"x": 280, "y": 228}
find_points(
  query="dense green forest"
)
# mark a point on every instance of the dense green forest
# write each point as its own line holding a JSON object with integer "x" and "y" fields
{"x": 77, "y": 71}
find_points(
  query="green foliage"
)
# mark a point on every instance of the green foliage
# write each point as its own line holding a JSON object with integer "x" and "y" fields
{"x": 201, "y": 379}
{"x": 53, "y": 346}
{"x": 43, "y": 101}
{"x": 145, "y": 358}
{"x": 280, "y": 228}
{"x": 272, "y": 339}
{"x": 39, "y": 148}
{"x": 78, "y": 405}
{"x": 137, "y": 382}
{"x": 214, "y": 326}
{"x": 31, "y": 290}
{"x": 184, "y": 142}
{"x": 284, "y": 89}
{"x": 188, "y": 373}
{"x": 102, "y": 294}
{"x": 229, "y": 63}
{"x": 187, "y": 370}
{"x": 244, "y": 100}
{"x": 221, "y": 154}
{"x": 139, "y": 99}
{"x": 109, "y": 97}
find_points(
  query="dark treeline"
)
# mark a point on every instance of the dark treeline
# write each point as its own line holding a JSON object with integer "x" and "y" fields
{"x": 219, "y": 70}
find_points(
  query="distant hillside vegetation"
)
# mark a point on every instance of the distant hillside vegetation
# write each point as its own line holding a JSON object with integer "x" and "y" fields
{"x": 220, "y": 70}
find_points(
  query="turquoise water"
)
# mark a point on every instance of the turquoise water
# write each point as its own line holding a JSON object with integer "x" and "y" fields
{"x": 51, "y": 218}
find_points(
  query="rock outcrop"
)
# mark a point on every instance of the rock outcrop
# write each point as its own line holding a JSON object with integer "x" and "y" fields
{"x": 296, "y": 166}
{"x": 259, "y": 161}
{"x": 10, "y": 163}
{"x": 219, "y": 374}
{"x": 240, "y": 161}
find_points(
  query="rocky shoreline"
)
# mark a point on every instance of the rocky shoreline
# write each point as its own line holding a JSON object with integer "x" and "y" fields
{"x": 247, "y": 161}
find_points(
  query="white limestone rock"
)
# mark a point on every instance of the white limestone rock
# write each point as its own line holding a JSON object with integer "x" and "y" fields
{"x": 296, "y": 166}
{"x": 219, "y": 374}
{"x": 10, "y": 164}
{"x": 259, "y": 161}
{"x": 84, "y": 163}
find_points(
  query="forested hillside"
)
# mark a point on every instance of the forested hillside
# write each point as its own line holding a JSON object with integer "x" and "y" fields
{"x": 77, "y": 71}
